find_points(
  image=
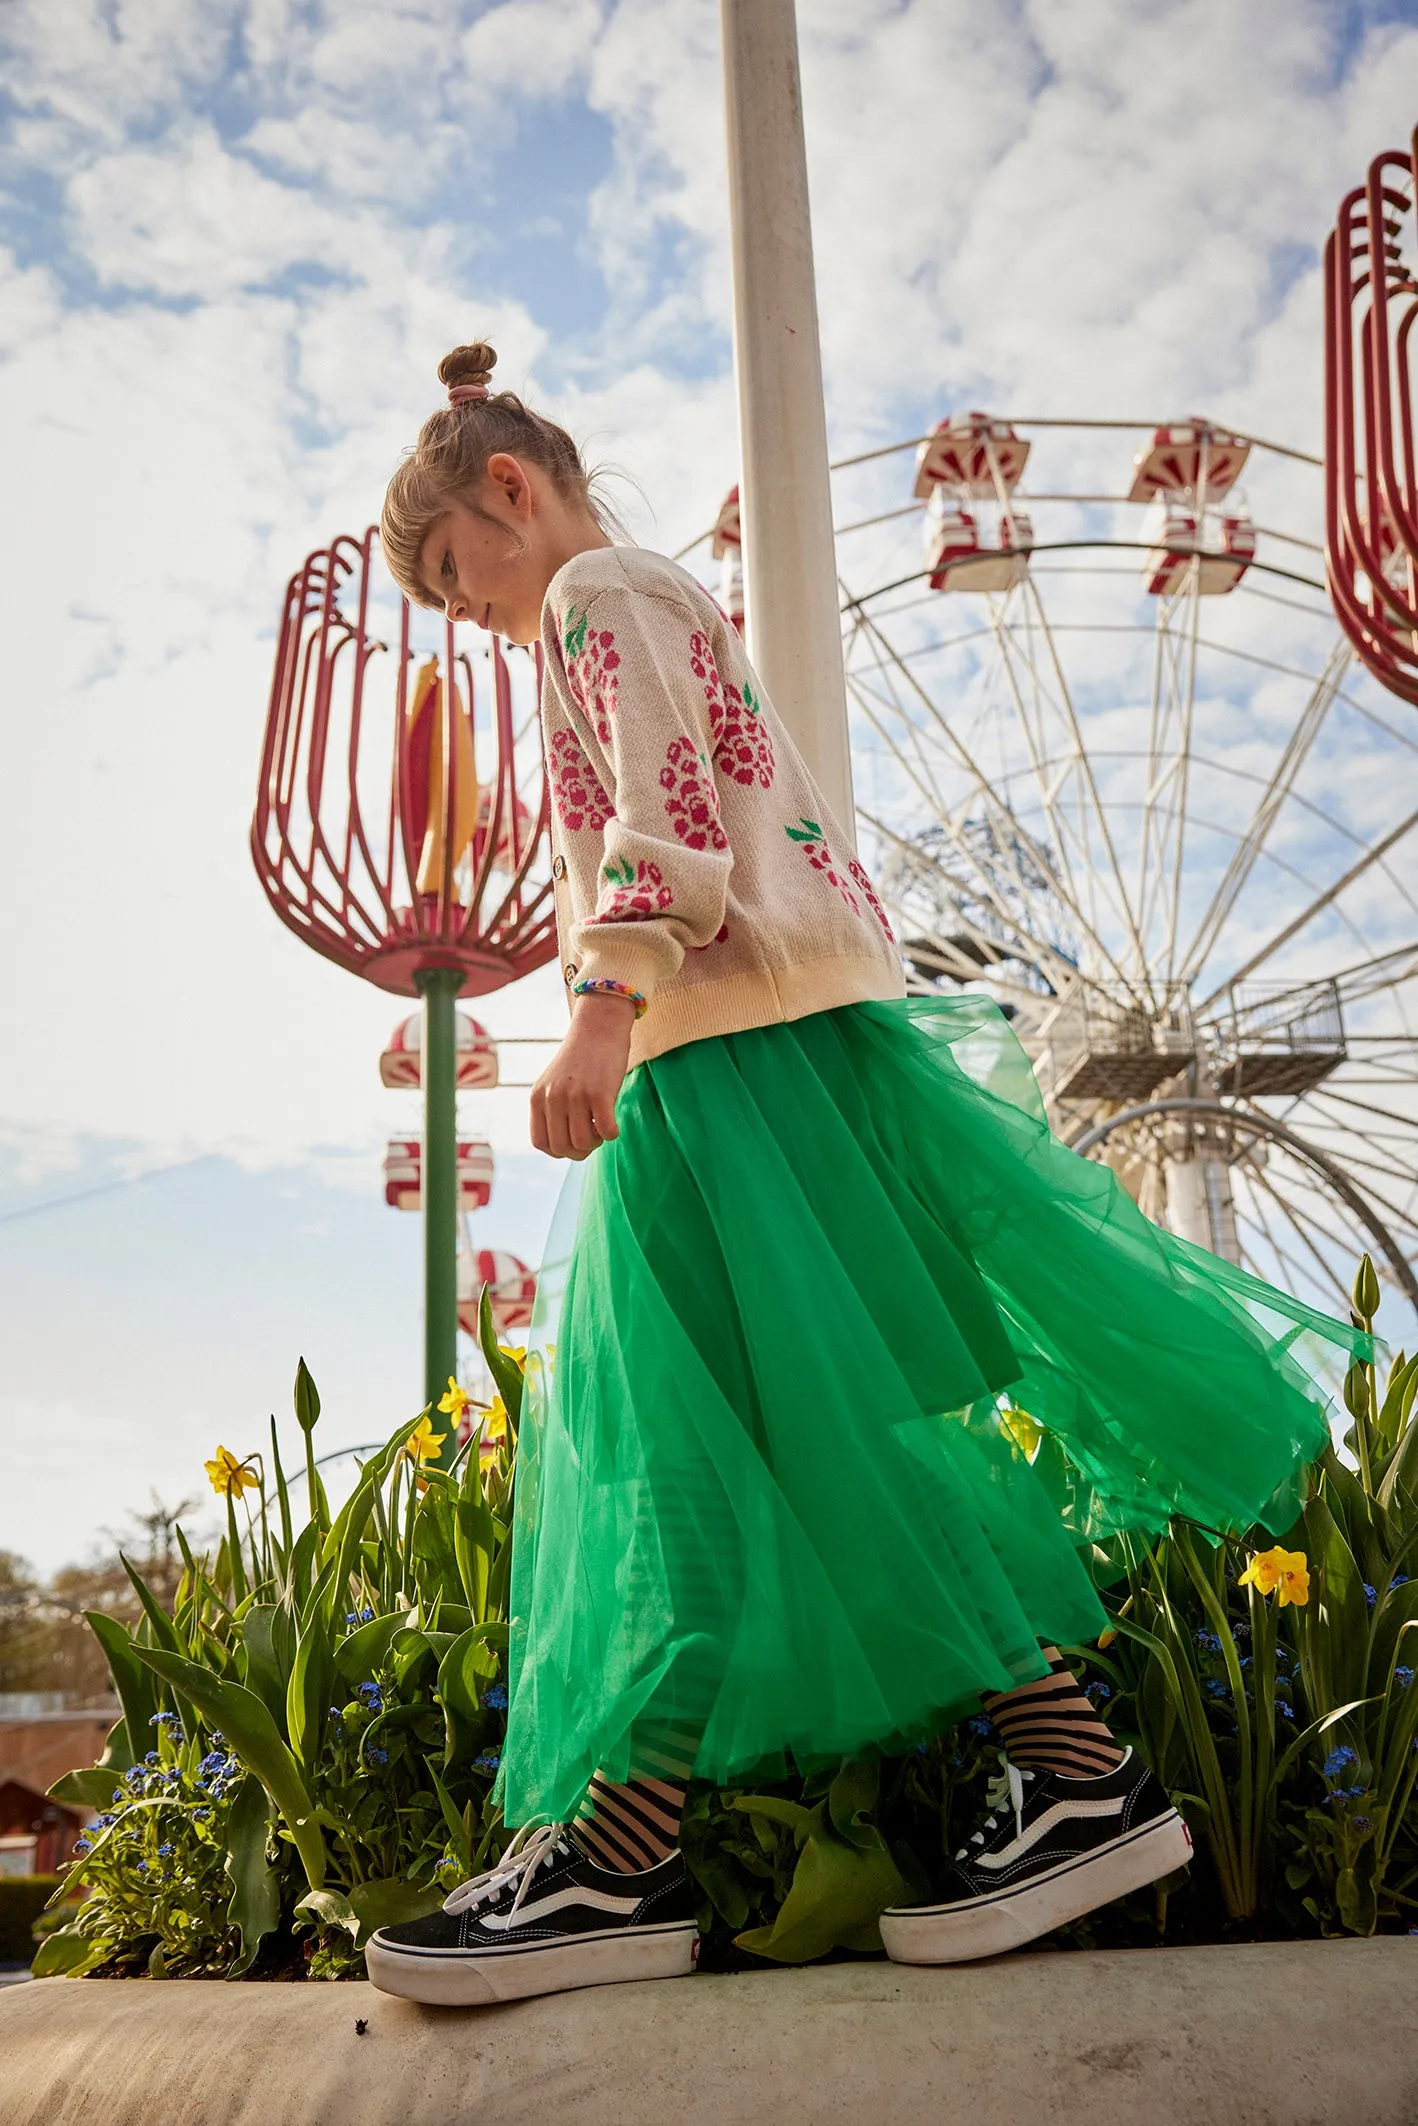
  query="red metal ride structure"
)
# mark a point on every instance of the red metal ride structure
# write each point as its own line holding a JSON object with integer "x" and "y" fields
{"x": 1371, "y": 494}
{"x": 385, "y": 841}
{"x": 376, "y": 838}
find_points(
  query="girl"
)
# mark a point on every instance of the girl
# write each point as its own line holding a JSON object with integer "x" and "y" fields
{"x": 768, "y": 1511}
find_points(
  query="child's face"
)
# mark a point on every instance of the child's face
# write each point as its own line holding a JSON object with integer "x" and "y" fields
{"x": 491, "y": 562}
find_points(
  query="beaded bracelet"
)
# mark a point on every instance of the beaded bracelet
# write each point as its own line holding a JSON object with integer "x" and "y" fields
{"x": 602, "y": 985}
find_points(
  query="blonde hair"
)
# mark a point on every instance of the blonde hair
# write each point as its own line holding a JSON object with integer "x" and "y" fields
{"x": 450, "y": 457}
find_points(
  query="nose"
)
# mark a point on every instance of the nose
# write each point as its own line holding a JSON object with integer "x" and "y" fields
{"x": 455, "y": 608}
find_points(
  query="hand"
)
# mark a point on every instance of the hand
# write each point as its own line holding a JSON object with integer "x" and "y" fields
{"x": 573, "y": 1101}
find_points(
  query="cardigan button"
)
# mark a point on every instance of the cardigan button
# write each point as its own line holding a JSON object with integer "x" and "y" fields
{"x": 571, "y": 970}
{"x": 558, "y": 867}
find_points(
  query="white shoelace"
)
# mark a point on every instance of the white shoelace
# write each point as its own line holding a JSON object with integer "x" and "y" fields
{"x": 533, "y": 1845}
{"x": 1009, "y": 1787}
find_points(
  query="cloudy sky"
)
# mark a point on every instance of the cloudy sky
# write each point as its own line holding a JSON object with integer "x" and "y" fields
{"x": 237, "y": 237}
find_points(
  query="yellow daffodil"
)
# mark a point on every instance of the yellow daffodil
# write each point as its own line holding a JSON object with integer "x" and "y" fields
{"x": 424, "y": 1443}
{"x": 1286, "y": 1572}
{"x": 456, "y": 1402}
{"x": 494, "y": 1429}
{"x": 229, "y": 1476}
{"x": 1105, "y": 1639}
{"x": 1024, "y": 1430}
{"x": 517, "y": 1353}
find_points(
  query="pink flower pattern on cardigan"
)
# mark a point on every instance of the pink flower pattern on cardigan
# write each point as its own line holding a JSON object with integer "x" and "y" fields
{"x": 810, "y": 839}
{"x": 593, "y": 669}
{"x": 742, "y": 748}
{"x": 575, "y": 786}
{"x": 870, "y": 891}
{"x": 633, "y": 893}
{"x": 691, "y": 799}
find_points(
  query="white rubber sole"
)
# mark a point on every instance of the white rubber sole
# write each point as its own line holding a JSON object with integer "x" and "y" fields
{"x": 988, "y": 1926}
{"x": 448, "y": 1978}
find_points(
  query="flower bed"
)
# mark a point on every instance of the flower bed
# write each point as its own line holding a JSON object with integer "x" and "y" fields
{"x": 311, "y": 1731}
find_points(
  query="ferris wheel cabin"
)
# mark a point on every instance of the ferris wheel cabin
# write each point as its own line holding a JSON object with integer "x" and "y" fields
{"x": 968, "y": 457}
{"x": 728, "y": 550}
{"x": 403, "y": 1174}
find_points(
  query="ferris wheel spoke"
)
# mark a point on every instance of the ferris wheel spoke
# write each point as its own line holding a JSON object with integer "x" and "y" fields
{"x": 1375, "y": 1195}
{"x": 1009, "y": 831}
{"x": 1078, "y": 766}
{"x": 1255, "y": 1209}
{"x": 1006, "y": 825}
{"x": 1282, "y": 782}
{"x": 1316, "y": 907}
{"x": 1406, "y": 1123}
{"x": 1340, "y": 1241}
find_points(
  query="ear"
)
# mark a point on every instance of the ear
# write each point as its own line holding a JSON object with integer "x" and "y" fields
{"x": 510, "y": 476}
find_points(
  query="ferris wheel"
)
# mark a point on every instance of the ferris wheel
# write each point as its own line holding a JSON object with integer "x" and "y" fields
{"x": 1116, "y": 765}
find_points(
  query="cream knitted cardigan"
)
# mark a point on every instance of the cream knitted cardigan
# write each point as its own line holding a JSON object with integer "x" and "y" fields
{"x": 693, "y": 855}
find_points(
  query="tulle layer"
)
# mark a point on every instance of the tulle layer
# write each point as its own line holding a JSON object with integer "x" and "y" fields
{"x": 765, "y": 1493}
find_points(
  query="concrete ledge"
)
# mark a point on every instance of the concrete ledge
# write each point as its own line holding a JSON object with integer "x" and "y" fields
{"x": 1299, "y": 2034}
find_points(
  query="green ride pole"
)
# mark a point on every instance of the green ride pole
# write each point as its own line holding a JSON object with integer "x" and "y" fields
{"x": 439, "y": 986}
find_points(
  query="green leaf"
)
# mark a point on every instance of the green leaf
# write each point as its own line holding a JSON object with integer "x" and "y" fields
{"x": 88, "y": 1789}
{"x": 282, "y": 1492}
{"x": 332, "y": 1908}
{"x": 474, "y": 1543}
{"x": 774, "y": 1809}
{"x": 118, "y": 1752}
{"x": 67, "y": 1954}
{"x": 506, "y": 1372}
{"x": 457, "y": 1830}
{"x": 433, "y": 1544}
{"x": 839, "y": 1890}
{"x": 312, "y": 1675}
{"x": 366, "y": 1649}
{"x": 156, "y": 1616}
{"x": 255, "y": 1903}
{"x": 131, "y": 1680}
{"x": 266, "y": 1632}
{"x": 468, "y": 1663}
{"x": 252, "y": 1733}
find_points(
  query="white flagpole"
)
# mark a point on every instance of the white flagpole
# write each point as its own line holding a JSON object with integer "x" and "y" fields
{"x": 790, "y": 575}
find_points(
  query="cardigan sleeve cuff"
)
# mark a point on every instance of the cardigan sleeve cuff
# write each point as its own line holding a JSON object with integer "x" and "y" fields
{"x": 623, "y": 952}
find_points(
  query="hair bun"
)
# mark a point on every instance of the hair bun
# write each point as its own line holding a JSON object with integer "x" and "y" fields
{"x": 468, "y": 365}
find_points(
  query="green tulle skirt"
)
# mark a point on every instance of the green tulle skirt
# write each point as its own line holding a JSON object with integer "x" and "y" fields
{"x": 769, "y": 1491}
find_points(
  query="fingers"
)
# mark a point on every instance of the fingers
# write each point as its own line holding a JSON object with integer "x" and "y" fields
{"x": 570, "y": 1120}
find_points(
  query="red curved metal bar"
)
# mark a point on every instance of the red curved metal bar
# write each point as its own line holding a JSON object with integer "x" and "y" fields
{"x": 351, "y": 882}
{"x": 1371, "y": 492}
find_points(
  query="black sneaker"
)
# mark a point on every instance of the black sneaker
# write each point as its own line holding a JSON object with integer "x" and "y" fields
{"x": 545, "y": 1919}
{"x": 1055, "y": 1849}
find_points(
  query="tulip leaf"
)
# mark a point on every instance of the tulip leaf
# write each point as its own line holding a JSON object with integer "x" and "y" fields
{"x": 367, "y": 1648}
{"x": 243, "y": 1719}
{"x": 260, "y": 1661}
{"x": 131, "y": 1680}
{"x": 506, "y": 1372}
{"x": 312, "y": 1679}
{"x": 255, "y": 1903}
{"x": 162, "y": 1624}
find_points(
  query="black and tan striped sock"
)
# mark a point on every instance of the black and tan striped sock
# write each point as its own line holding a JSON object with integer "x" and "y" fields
{"x": 632, "y": 1824}
{"x": 1051, "y": 1725}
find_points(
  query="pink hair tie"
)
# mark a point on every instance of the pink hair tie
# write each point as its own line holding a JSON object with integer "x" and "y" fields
{"x": 466, "y": 394}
